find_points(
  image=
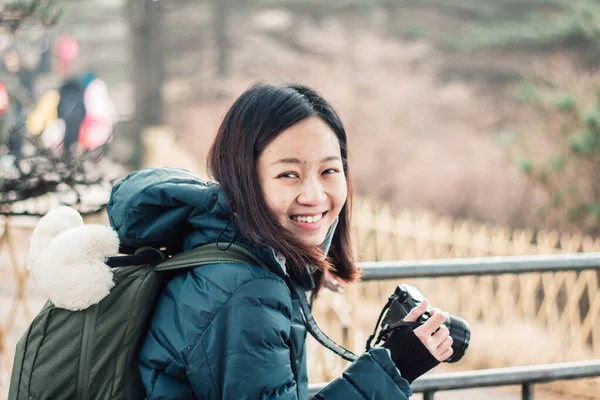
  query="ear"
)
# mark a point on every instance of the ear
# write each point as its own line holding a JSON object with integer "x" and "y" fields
{"x": 51, "y": 224}
{"x": 71, "y": 271}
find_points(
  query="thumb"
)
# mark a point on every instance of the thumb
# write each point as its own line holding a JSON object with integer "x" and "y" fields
{"x": 416, "y": 312}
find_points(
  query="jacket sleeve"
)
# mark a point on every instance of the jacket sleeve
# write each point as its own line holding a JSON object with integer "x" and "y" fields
{"x": 372, "y": 376}
{"x": 243, "y": 353}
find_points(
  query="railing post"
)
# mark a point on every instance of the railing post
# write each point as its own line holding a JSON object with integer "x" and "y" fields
{"x": 527, "y": 391}
{"x": 428, "y": 395}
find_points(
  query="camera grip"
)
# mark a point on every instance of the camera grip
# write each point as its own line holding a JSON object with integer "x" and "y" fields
{"x": 408, "y": 353}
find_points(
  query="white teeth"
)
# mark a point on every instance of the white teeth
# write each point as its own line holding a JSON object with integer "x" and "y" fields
{"x": 308, "y": 219}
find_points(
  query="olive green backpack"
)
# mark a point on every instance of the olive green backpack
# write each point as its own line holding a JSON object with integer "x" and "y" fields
{"x": 92, "y": 353}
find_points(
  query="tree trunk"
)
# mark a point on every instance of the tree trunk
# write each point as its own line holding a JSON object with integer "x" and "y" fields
{"x": 148, "y": 67}
{"x": 221, "y": 28}
{"x": 392, "y": 15}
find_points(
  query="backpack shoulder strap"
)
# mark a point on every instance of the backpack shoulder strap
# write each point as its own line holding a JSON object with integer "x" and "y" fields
{"x": 210, "y": 254}
{"x": 215, "y": 253}
{"x": 224, "y": 252}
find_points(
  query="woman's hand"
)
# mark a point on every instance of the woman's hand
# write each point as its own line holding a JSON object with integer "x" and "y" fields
{"x": 434, "y": 336}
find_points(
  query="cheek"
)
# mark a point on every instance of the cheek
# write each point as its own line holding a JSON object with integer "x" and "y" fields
{"x": 339, "y": 195}
{"x": 275, "y": 199}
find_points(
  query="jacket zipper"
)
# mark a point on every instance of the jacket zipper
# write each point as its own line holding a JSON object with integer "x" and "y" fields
{"x": 86, "y": 353}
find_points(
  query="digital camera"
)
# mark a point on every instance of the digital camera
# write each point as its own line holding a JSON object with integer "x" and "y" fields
{"x": 407, "y": 297}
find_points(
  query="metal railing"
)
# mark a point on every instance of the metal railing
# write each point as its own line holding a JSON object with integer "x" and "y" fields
{"x": 455, "y": 267}
{"x": 526, "y": 376}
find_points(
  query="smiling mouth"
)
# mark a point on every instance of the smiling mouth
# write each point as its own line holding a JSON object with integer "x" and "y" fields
{"x": 308, "y": 219}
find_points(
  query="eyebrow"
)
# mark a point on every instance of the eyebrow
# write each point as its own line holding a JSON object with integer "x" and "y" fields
{"x": 291, "y": 160}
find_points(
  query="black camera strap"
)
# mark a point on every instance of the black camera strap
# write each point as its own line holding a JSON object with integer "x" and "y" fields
{"x": 313, "y": 328}
{"x": 388, "y": 329}
{"x": 372, "y": 336}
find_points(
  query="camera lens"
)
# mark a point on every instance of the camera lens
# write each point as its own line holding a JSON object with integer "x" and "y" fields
{"x": 461, "y": 337}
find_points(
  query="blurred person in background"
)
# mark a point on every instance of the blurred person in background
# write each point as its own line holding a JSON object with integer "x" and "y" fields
{"x": 78, "y": 117}
{"x": 71, "y": 107}
{"x": 17, "y": 100}
{"x": 230, "y": 330}
{"x": 100, "y": 113}
{"x": 44, "y": 46}
{"x": 71, "y": 110}
{"x": 66, "y": 52}
{"x": 44, "y": 113}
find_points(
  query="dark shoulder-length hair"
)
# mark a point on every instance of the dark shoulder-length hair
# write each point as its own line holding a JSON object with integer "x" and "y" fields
{"x": 256, "y": 118}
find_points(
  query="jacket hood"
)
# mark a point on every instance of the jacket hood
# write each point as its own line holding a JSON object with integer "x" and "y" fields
{"x": 167, "y": 207}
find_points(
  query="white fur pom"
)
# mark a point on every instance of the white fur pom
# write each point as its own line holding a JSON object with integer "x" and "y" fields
{"x": 47, "y": 228}
{"x": 71, "y": 271}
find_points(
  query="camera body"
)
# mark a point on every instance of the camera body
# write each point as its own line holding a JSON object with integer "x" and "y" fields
{"x": 407, "y": 297}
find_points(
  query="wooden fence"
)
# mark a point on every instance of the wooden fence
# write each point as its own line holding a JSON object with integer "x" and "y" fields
{"x": 525, "y": 319}
{"x": 565, "y": 302}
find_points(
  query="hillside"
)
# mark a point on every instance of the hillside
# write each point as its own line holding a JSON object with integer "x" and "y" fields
{"x": 416, "y": 140}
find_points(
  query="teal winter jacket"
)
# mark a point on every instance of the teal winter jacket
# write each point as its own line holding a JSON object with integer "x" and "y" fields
{"x": 222, "y": 331}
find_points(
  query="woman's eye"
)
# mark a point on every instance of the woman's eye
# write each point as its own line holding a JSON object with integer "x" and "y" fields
{"x": 288, "y": 175}
{"x": 331, "y": 171}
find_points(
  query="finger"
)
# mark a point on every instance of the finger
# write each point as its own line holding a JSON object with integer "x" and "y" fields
{"x": 434, "y": 323}
{"x": 416, "y": 312}
{"x": 445, "y": 355}
{"x": 440, "y": 335}
{"x": 445, "y": 345}
{"x": 434, "y": 310}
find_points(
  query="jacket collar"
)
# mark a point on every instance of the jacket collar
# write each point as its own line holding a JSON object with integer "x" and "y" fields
{"x": 304, "y": 279}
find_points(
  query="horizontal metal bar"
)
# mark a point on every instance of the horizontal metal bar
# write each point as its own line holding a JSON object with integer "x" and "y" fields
{"x": 508, "y": 376}
{"x": 498, "y": 377}
{"x": 380, "y": 270}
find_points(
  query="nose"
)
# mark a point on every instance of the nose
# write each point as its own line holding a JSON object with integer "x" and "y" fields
{"x": 312, "y": 192}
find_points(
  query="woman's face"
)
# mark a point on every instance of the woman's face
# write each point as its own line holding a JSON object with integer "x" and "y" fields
{"x": 302, "y": 178}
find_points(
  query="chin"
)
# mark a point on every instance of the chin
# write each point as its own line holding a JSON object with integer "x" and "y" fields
{"x": 312, "y": 240}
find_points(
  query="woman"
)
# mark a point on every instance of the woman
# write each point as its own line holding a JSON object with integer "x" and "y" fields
{"x": 235, "y": 331}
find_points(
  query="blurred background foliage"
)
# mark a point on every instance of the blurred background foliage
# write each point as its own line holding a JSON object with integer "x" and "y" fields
{"x": 492, "y": 103}
{"x": 16, "y": 13}
{"x": 562, "y": 153}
